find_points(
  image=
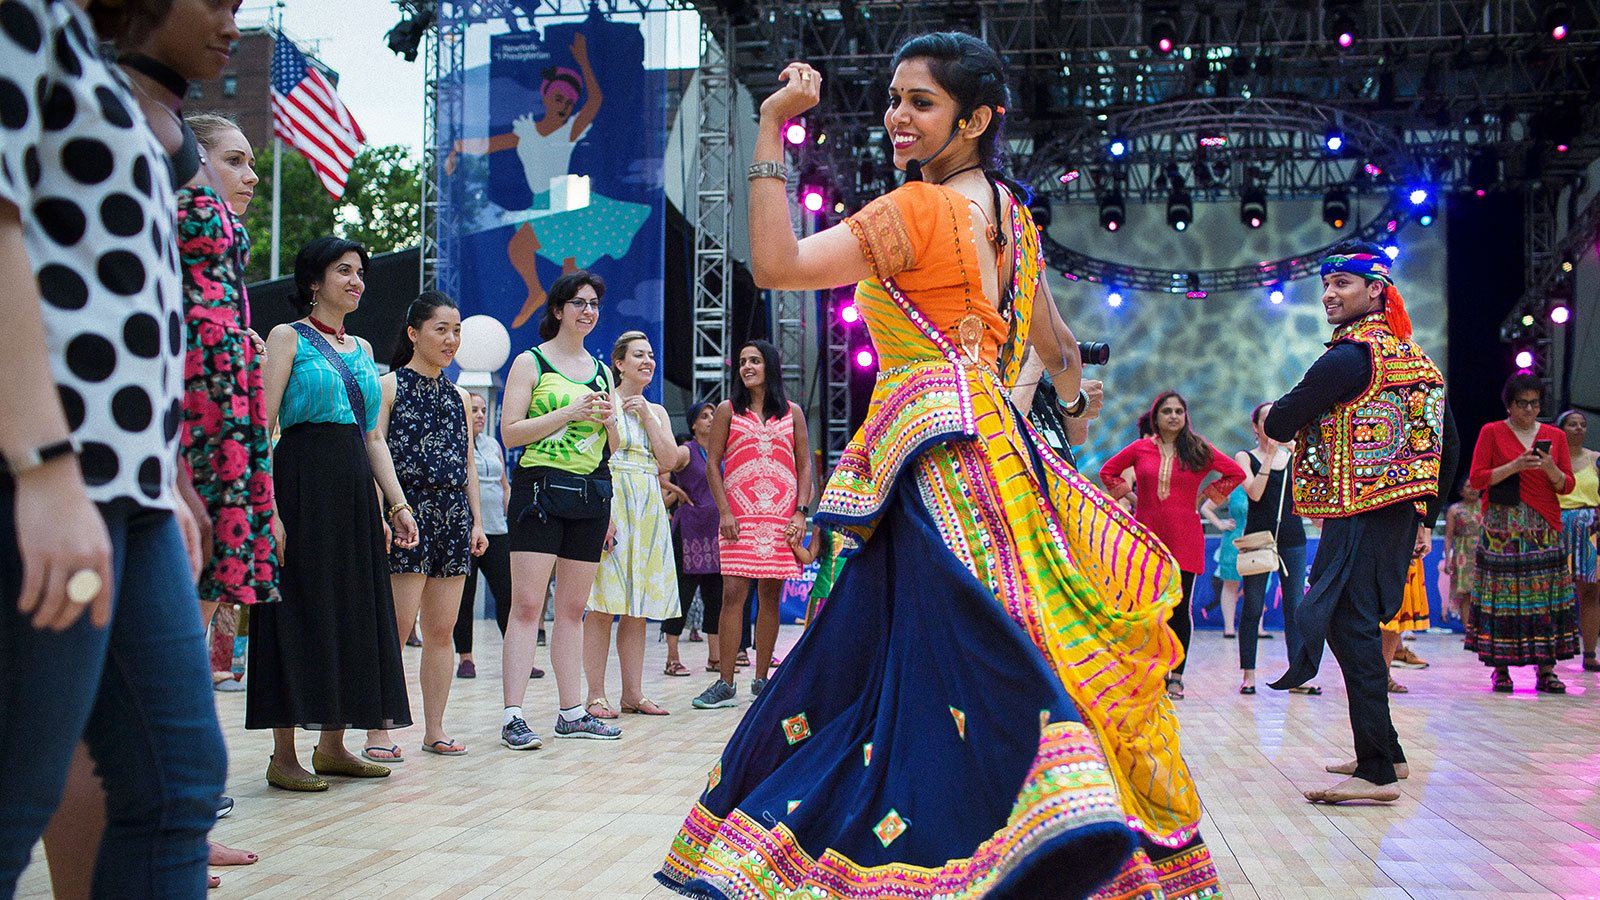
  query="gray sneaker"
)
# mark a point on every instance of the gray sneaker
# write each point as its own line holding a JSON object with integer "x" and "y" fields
{"x": 587, "y": 727}
{"x": 756, "y": 686}
{"x": 518, "y": 736}
{"x": 719, "y": 696}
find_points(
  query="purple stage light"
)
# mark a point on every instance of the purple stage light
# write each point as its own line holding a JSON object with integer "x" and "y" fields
{"x": 795, "y": 133}
{"x": 812, "y": 199}
{"x": 864, "y": 358}
{"x": 1524, "y": 359}
{"x": 1560, "y": 314}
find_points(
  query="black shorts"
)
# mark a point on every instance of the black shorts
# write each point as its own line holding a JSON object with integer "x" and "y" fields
{"x": 444, "y": 535}
{"x": 580, "y": 540}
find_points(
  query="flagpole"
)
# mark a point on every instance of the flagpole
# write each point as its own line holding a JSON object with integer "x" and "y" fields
{"x": 277, "y": 199}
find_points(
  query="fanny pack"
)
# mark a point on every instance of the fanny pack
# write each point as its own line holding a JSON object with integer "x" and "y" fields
{"x": 568, "y": 496}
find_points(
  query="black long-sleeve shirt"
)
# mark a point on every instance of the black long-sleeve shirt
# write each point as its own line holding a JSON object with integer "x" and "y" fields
{"x": 1339, "y": 376}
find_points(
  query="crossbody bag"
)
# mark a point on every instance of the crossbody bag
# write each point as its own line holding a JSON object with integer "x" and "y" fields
{"x": 1258, "y": 550}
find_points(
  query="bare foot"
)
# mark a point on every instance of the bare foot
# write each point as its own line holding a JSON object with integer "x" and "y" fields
{"x": 213, "y": 881}
{"x": 523, "y": 252}
{"x": 228, "y": 856}
{"x": 1401, "y": 770}
{"x": 1354, "y": 789}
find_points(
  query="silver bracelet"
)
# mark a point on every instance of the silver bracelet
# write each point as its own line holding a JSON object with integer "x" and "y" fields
{"x": 767, "y": 170}
{"x": 1078, "y": 407}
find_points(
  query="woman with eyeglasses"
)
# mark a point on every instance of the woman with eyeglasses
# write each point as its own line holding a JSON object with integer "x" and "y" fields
{"x": 557, "y": 407}
{"x": 1522, "y": 609}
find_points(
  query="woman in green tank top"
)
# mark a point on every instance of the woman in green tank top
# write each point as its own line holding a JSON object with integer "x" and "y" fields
{"x": 557, "y": 405}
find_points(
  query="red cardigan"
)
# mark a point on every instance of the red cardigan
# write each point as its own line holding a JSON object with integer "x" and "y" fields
{"x": 1498, "y": 445}
{"x": 1174, "y": 518}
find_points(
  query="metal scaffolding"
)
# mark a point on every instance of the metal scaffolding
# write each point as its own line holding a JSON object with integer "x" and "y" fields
{"x": 713, "y": 219}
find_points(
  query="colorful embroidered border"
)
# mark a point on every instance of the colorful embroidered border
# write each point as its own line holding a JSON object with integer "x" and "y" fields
{"x": 1189, "y": 875}
{"x": 1067, "y": 788}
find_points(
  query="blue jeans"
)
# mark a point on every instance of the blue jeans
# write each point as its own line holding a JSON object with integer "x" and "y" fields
{"x": 142, "y": 686}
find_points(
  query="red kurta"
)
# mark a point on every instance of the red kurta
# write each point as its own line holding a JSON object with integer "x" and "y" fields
{"x": 1498, "y": 445}
{"x": 1169, "y": 496}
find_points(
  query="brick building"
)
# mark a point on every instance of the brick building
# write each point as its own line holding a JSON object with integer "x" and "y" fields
{"x": 245, "y": 89}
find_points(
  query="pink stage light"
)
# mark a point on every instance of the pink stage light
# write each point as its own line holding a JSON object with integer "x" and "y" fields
{"x": 850, "y": 314}
{"x": 864, "y": 358}
{"x": 1164, "y": 45}
{"x": 1524, "y": 359}
{"x": 1560, "y": 314}
{"x": 1069, "y": 176}
{"x": 1346, "y": 39}
{"x": 1372, "y": 169}
{"x": 812, "y": 199}
{"x": 1562, "y": 148}
{"x": 795, "y": 133}
{"x": 1559, "y": 32}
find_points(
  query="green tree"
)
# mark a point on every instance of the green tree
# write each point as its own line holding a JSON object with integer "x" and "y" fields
{"x": 380, "y": 206}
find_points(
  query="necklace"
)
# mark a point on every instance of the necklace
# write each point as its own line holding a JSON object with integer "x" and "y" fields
{"x": 336, "y": 332}
{"x": 156, "y": 71}
{"x": 970, "y": 168}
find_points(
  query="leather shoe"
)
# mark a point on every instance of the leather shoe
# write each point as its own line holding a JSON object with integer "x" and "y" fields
{"x": 280, "y": 779}
{"x": 323, "y": 764}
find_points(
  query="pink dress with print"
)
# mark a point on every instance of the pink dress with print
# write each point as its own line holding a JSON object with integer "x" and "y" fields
{"x": 758, "y": 478}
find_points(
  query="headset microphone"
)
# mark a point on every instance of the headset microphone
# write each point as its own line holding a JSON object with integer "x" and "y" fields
{"x": 914, "y": 166}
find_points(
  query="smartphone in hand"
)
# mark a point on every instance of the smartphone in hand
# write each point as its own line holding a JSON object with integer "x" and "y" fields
{"x": 1541, "y": 447}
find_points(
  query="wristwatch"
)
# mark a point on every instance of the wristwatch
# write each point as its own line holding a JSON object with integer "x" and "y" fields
{"x": 34, "y": 457}
{"x": 802, "y": 509}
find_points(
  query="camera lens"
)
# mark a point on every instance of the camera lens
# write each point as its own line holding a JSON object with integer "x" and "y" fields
{"x": 1094, "y": 353}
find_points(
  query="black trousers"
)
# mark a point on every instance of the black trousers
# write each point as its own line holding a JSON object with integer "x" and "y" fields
{"x": 1357, "y": 581}
{"x": 1182, "y": 622}
{"x": 496, "y": 566}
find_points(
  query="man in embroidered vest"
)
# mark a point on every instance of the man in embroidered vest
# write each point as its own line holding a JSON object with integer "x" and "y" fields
{"x": 1375, "y": 448}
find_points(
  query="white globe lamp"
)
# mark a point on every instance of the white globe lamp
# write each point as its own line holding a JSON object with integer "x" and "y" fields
{"x": 485, "y": 344}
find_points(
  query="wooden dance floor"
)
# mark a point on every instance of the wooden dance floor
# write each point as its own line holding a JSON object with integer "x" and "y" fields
{"x": 1503, "y": 800}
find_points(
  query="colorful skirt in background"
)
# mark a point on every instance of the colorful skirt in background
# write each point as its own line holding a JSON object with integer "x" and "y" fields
{"x": 1577, "y": 539}
{"x": 1523, "y": 608}
{"x": 1413, "y": 614}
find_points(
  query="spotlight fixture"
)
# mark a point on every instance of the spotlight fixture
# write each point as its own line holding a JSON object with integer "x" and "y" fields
{"x": 1333, "y": 142}
{"x": 1276, "y": 297}
{"x": 1253, "y": 206}
{"x": 406, "y": 37}
{"x": 865, "y": 359}
{"x": 1418, "y": 196}
{"x": 1483, "y": 170}
{"x": 1118, "y": 147}
{"x": 795, "y": 133}
{"x": 1114, "y": 298}
{"x": 1180, "y": 209}
{"x": 1336, "y": 207}
{"x": 1342, "y": 29}
{"x": 1560, "y": 314}
{"x": 1160, "y": 30}
{"x": 1112, "y": 211}
{"x": 811, "y": 198}
{"x": 1392, "y": 251}
{"x": 849, "y": 314}
{"x": 1525, "y": 359}
{"x": 1557, "y": 20}
{"x": 1527, "y": 320}
{"x": 1426, "y": 211}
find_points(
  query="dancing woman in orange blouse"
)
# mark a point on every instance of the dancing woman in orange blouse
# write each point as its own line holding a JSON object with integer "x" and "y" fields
{"x": 978, "y": 709}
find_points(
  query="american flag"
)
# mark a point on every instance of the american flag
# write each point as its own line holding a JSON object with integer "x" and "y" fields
{"x": 307, "y": 114}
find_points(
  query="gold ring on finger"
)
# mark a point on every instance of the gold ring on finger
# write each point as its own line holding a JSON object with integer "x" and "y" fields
{"x": 84, "y": 585}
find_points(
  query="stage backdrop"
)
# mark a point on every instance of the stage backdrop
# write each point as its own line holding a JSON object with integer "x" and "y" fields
{"x": 556, "y": 165}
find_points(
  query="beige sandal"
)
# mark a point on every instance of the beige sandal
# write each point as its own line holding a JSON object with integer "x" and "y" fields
{"x": 645, "y": 707}
{"x": 600, "y": 708}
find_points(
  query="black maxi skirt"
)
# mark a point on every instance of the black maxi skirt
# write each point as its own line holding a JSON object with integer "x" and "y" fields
{"x": 328, "y": 656}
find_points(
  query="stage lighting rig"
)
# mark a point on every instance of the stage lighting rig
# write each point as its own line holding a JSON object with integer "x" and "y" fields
{"x": 1112, "y": 210}
{"x": 1161, "y": 30}
{"x": 1336, "y": 208}
{"x": 1253, "y": 206}
{"x": 1180, "y": 209}
{"x": 406, "y": 37}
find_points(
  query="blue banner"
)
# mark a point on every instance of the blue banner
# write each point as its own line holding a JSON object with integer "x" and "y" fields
{"x": 558, "y": 167}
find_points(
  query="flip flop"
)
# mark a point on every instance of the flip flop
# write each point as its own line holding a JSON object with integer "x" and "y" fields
{"x": 445, "y": 748}
{"x": 639, "y": 708}
{"x": 394, "y": 757}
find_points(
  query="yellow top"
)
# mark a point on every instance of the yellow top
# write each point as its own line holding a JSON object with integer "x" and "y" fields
{"x": 1585, "y": 491}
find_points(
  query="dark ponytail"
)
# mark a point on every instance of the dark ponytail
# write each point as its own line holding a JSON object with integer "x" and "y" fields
{"x": 420, "y": 311}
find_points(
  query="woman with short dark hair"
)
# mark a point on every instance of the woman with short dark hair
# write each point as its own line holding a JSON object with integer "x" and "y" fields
{"x": 1522, "y": 608}
{"x": 327, "y": 656}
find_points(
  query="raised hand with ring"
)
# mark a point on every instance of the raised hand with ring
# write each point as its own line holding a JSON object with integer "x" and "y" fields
{"x": 84, "y": 585}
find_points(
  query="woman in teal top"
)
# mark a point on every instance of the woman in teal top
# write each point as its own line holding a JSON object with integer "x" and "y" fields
{"x": 557, "y": 406}
{"x": 328, "y": 656}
